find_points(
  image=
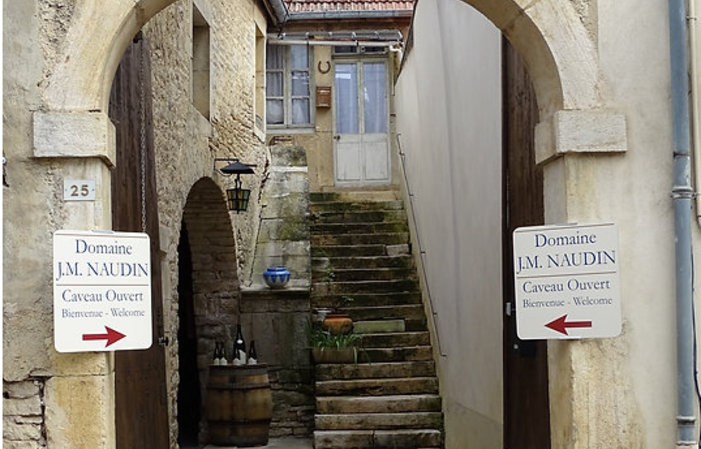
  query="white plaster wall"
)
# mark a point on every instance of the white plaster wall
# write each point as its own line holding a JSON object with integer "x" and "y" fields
{"x": 618, "y": 392}
{"x": 633, "y": 190}
{"x": 448, "y": 113}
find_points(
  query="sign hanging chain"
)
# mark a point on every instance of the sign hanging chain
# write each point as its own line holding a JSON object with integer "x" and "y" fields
{"x": 142, "y": 134}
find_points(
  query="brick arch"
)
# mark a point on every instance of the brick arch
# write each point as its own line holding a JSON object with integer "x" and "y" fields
{"x": 215, "y": 285}
{"x": 214, "y": 275}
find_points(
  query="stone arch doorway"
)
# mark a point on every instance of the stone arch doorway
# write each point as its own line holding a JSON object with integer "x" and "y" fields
{"x": 208, "y": 301}
{"x": 557, "y": 47}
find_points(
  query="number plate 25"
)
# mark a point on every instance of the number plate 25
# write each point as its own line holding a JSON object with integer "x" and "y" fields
{"x": 78, "y": 190}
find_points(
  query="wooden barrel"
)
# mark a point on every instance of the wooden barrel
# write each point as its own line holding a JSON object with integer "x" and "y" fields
{"x": 239, "y": 405}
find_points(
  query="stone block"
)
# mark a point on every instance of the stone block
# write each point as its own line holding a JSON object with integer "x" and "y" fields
{"x": 288, "y": 156}
{"x": 84, "y": 420}
{"x": 9, "y": 444}
{"x": 375, "y": 370}
{"x": 342, "y": 439}
{"x": 22, "y": 407}
{"x": 398, "y": 250}
{"x": 284, "y": 182}
{"x": 408, "y": 438}
{"x": 73, "y": 134}
{"x": 292, "y": 205}
{"x": 379, "y": 404}
{"x": 280, "y": 305}
{"x": 273, "y": 229}
{"x": 581, "y": 132}
{"x": 12, "y": 430}
{"x": 21, "y": 390}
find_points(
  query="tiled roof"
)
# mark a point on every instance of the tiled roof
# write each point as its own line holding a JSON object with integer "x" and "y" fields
{"x": 294, "y": 6}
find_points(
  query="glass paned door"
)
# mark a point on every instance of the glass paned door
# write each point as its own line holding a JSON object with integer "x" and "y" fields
{"x": 361, "y": 142}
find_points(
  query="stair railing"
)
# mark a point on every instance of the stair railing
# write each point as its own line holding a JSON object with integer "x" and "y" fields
{"x": 422, "y": 252}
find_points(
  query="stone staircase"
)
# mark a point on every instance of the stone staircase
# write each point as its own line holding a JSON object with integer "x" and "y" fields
{"x": 389, "y": 399}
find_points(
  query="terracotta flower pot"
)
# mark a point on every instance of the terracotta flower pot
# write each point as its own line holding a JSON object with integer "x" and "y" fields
{"x": 338, "y": 323}
{"x": 334, "y": 355}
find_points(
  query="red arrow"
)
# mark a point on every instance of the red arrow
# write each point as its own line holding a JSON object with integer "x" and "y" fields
{"x": 112, "y": 336}
{"x": 560, "y": 325}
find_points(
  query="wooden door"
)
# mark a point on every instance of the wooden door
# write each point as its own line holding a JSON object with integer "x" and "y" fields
{"x": 141, "y": 407}
{"x": 361, "y": 137}
{"x": 526, "y": 408}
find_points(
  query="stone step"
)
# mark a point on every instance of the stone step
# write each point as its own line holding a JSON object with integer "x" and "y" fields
{"x": 378, "y": 404}
{"x": 373, "y": 250}
{"x": 378, "y": 439}
{"x": 377, "y": 387}
{"x": 375, "y": 370}
{"x": 405, "y": 312}
{"x": 362, "y": 216}
{"x": 355, "y": 196}
{"x": 358, "y": 228}
{"x": 407, "y": 354}
{"x": 379, "y": 421}
{"x": 392, "y": 238}
{"x": 389, "y": 398}
{"x": 395, "y": 339}
{"x": 343, "y": 206}
{"x": 379, "y": 326}
{"x": 362, "y": 274}
{"x": 390, "y": 326}
{"x": 354, "y": 287}
{"x": 323, "y": 299}
{"x": 343, "y": 263}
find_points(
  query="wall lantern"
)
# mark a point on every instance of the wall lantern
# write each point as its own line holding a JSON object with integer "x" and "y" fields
{"x": 236, "y": 198}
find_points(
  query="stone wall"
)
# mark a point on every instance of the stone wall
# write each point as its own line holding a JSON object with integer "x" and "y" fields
{"x": 23, "y": 415}
{"x": 187, "y": 144}
{"x": 283, "y": 236}
{"x": 277, "y": 319}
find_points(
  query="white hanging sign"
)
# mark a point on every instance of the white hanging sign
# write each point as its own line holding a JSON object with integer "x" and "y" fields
{"x": 567, "y": 281}
{"x": 102, "y": 291}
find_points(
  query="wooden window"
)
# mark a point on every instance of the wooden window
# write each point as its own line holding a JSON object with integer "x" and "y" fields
{"x": 288, "y": 86}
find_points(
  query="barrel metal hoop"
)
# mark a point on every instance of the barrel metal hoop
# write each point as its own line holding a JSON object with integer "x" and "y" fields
{"x": 240, "y": 386}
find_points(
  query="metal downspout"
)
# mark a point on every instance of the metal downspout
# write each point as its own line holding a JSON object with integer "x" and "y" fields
{"x": 682, "y": 195}
{"x": 695, "y": 99}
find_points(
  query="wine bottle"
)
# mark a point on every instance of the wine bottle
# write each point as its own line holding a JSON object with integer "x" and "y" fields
{"x": 239, "y": 347}
{"x": 222, "y": 354}
{"x": 217, "y": 352}
{"x": 252, "y": 355}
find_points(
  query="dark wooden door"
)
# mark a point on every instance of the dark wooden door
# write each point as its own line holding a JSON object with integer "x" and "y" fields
{"x": 141, "y": 406}
{"x": 526, "y": 408}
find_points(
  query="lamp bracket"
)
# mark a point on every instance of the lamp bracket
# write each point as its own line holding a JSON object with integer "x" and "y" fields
{"x": 235, "y": 167}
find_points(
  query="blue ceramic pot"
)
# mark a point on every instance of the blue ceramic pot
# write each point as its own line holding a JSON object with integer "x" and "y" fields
{"x": 276, "y": 277}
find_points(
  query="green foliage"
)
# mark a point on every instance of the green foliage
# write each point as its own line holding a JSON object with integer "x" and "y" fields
{"x": 330, "y": 274}
{"x": 321, "y": 338}
{"x": 342, "y": 302}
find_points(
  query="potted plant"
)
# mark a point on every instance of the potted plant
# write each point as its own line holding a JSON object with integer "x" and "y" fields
{"x": 329, "y": 348}
{"x": 337, "y": 321}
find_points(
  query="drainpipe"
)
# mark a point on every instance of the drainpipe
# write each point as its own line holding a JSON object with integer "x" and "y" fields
{"x": 695, "y": 100}
{"x": 682, "y": 195}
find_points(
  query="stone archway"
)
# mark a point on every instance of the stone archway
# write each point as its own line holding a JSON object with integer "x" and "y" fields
{"x": 73, "y": 126}
{"x": 212, "y": 287}
{"x": 556, "y": 46}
